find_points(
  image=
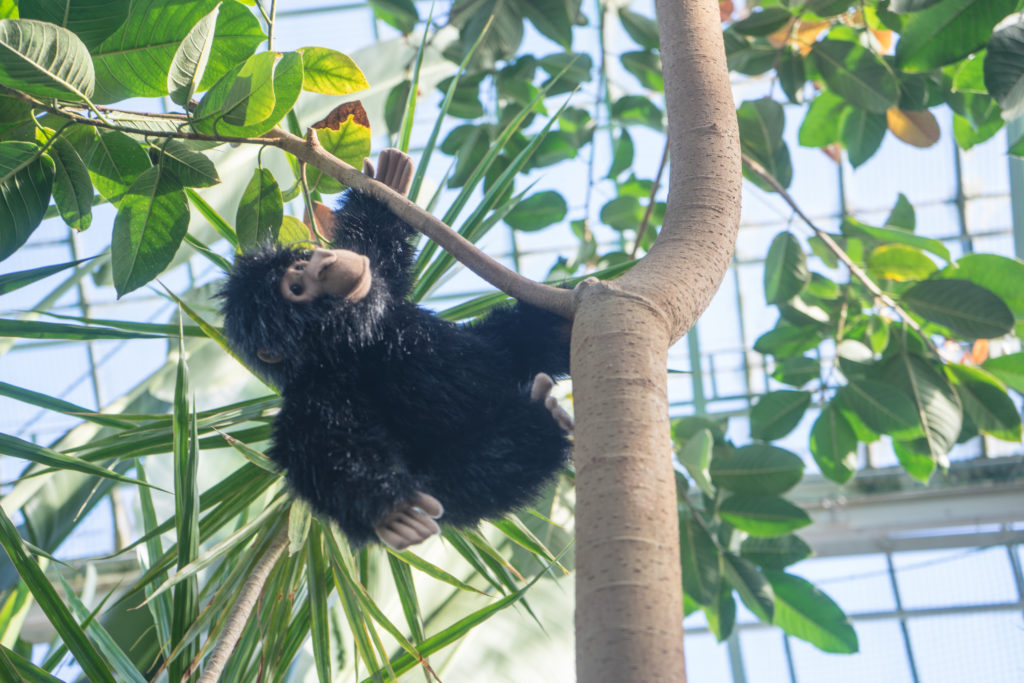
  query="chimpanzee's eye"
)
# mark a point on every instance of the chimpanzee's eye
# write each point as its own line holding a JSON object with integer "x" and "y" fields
{"x": 300, "y": 266}
{"x": 296, "y": 290}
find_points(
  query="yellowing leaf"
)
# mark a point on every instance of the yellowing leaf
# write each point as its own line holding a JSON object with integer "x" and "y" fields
{"x": 802, "y": 36}
{"x": 917, "y": 128}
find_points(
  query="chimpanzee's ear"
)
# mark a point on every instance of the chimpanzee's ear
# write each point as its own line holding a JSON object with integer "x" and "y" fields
{"x": 269, "y": 357}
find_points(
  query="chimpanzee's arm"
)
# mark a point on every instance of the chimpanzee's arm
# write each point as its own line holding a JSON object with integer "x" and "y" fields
{"x": 342, "y": 462}
{"x": 367, "y": 226}
{"x": 530, "y": 339}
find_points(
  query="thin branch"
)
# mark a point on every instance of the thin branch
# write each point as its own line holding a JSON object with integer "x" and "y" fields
{"x": 650, "y": 204}
{"x": 240, "y": 613}
{"x": 840, "y": 253}
{"x": 558, "y": 301}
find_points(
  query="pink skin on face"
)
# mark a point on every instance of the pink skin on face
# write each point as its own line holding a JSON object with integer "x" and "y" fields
{"x": 338, "y": 272}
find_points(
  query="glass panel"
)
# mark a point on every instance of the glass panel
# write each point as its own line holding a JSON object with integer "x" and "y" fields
{"x": 954, "y": 577}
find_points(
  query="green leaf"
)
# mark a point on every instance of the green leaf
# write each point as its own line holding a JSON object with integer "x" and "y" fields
{"x": 969, "y": 310}
{"x": 899, "y": 263}
{"x": 883, "y": 410}
{"x": 253, "y": 97}
{"x": 699, "y": 558}
{"x": 24, "y": 450}
{"x": 761, "y": 125}
{"x": 758, "y": 469}
{"x": 1000, "y": 274}
{"x": 792, "y": 73}
{"x": 948, "y": 31}
{"x": 643, "y": 30}
{"x": 938, "y": 407}
{"x": 115, "y": 161}
{"x": 190, "y": 59}
{"x": 861, "y": 133}
{"x": 330, "y": 72}
{"x": 763, "y": 22}
{"x": 72, "y": 187}
{"x": 834, "y": 445}
{"x": 820, "y": 126}
{"x": 785, "y": 269}
{"x": 31, "y": 329}
{"x": 136, "y": 59}
{"x": 260, "y": 211}
{"x": 638, "y": 110}
{"x": 552, "y": 19}
{"x": 721, "y": 615}
{"x": 775, "y": 553}
{"x": 537, "y": 211}
{"x": 646, "y": 67}
{"x": 12, "y": 281}
{"x": 763, "y": 515}
{"x": 803, "y": 611}
{"x": 398, "y": 13}
{"x": 44, "y": 60}
{"x": 151, "y": 222}
{"x": 902, "y": 215}
{"x": 857, "y": 75}
{"x": 695, "y": 456}
{"x": 623, "y": 213}
{"x": 622, "y": 156}
{"x": 25, "y": 183}
{"x": 985, "y": 401}
{"x": 1009, "y": 369}
{"x": 751, "y": 585}
{"x": 91, "y": 20}
{"x": 904, "y": 6}
{"x": 797, "y": 371}
{"x": 787, "y": 339}
{"x": 777, "y": 413}
{"x": 189, "y": 167}
{"x": 855, "y": 228}
{"x": 56, "y": 611}
{"x": 919, "y": 465}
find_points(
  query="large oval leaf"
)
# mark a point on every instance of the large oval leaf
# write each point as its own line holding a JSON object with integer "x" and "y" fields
{"x": 151, "y": 222}
{"x": 537, "y": 211}
{"x": 834, "y": 445}
{"x": 114, "y": 160}
{"x": 937, "y": 405}
{"x": 259, "y": 211}
{"x": 761, "y": 124}
{"x": 699, "y": 558}
{"x": 883, "y": 410}
{"x": 330, "y": 72}
{"x": 135, "y": 60}
{"x": 777, "y": 413}
{"x": 345, "y": 133}
{"x": 803, "y": 611}
{"x": 899, "y": 263}
{"x": 948, "y": 31}
{"x": 91, "y": 20}
{"x": 25, "y": 183}
{"x": 253, "y": 98}
{"x": 1004, "y": 68}
{"x": 1001, "y": 274}
{"x": 967, "y": 309}
{"x": 189, "y": 167}
{"x": 765, "y": 516}
{"x": 986, "y": 402}
{"x": 858, "y": 75}
{"x": 190, "y": 59}
{"x": 45, "y": 60}
{"x": 72, "y": 188}
{"x": 775, "y": 553}
{"x": 1009, "y": 369}
{"x": 785, "y": 269}
{"x": 754, "y": 590}
{"x": 861, "y": 133}
{"x": 758, "y": 469}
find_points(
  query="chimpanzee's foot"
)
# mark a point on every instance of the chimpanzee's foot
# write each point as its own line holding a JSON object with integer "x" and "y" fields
{"x": 541, "y": 392}
{"x": 411, "y": 522}
{"x": 394, "y": 169}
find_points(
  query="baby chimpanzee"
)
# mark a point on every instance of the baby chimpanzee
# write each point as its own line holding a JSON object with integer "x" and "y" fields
{"x": 392, "y": 416}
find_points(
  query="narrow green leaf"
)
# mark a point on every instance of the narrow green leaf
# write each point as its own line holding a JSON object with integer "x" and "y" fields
{"x": 700, "y": 559}
{"x": 45, "y": 60}
{"x": 18, "y": 668}
{"x": 9, "y": 282}
{"x": 215, "y": 219}
{"x": 803, "y": 611}
{"x": 763, "y": 515}
{"x": 17, "y": 448}
{"x": 151, "y": 222}
{"x": 31, "y": 329}
{"x": 56, "y": 612}
{"x": 260, "y": 211}
{"x": 777, "y": 413}
{"x": 785, "y": 269}
{"x": 119, "y": 661}
{"x": 414, "y": 560}
{"x": 967, "y": 309}
{"x": 161, "y": 607}
{"x": 316, "y": 573}
{"x": 834, "y": 445}
{"x": 856, "y": 74}
{"x": 758, "y": 469}
{"x": 190, "y": 59}
{"x": 775, "y": 553}
{"x": 26, "y": 179}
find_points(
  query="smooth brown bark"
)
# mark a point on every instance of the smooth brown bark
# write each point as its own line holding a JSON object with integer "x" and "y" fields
{"x": 628, "y": 585}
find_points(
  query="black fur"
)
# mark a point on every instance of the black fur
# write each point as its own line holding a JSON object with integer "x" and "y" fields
{"x": 383, "y": 398}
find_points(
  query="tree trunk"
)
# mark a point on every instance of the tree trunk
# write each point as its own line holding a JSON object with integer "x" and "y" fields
{"x": 628, "y": 587}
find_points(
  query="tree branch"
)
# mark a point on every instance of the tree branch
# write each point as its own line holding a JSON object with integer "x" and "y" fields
{"x": 840, "y": 253}
{"x": 559, "y": 301}
{"x": 240, "y": 613}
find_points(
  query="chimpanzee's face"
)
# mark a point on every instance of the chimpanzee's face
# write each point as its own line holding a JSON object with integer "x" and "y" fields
{"x": 336, "y": 272}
